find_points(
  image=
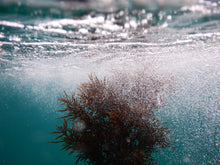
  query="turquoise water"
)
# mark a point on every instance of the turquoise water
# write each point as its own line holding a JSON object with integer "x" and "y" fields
{"x": 47, "y": 47}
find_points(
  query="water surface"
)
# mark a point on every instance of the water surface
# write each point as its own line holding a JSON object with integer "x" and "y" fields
{"x": 48, "y": 47}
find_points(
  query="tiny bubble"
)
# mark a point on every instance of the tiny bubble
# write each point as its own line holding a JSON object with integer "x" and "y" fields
{"x": 128, "y": 140}
{"x": 79, "y": 125}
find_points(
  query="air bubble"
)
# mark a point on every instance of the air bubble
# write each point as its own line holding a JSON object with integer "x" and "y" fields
{"x": 186, "y": 159}
{"x": 79, "y": 125}
{"x": 83, "y": 31}
{"x": 128, "y": 140}
{"x": 14, "y": 38}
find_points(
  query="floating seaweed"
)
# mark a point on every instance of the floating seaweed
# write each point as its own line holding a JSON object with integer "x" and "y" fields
{"x": 113, "y": 122}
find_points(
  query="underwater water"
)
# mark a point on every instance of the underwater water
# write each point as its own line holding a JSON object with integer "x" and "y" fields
{"x": 47, "y": 47}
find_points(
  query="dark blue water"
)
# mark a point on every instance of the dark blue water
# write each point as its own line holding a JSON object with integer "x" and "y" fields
{"x": 47, "y": 47}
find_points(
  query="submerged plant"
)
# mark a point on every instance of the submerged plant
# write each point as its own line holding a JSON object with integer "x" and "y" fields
{"x": 113, "y": 122}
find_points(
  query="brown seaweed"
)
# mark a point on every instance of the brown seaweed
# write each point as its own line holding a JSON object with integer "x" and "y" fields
{"x": 105, "y": 123}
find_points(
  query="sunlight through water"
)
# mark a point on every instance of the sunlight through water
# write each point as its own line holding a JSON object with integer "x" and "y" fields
{"x": 48, "y": 47}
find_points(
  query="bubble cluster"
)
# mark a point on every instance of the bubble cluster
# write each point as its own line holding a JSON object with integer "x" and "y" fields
{"x": 79, "y": 125}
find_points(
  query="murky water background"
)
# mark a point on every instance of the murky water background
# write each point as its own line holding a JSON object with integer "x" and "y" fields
{"x": 48, "y": 47}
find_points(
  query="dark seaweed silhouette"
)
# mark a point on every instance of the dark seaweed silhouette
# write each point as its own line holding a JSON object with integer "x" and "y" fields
{"x": 112, "y": 122}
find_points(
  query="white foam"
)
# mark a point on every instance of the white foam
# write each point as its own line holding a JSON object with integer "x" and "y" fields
{"x": 14, "y": 38}
{"x": 12, "y": 24}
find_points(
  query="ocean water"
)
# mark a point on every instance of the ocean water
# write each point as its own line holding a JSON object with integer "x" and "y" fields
{"x": 50, "y": 46}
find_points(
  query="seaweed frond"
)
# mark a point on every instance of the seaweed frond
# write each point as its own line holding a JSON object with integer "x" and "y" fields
{"x": 112, "y": 121}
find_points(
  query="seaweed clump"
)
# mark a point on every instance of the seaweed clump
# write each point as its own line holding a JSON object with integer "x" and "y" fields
{"x": 112, "y": 122}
